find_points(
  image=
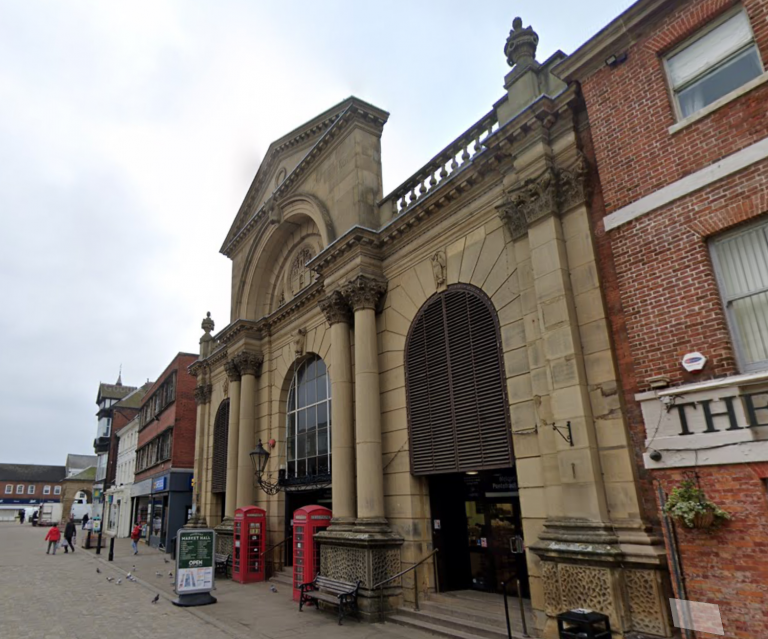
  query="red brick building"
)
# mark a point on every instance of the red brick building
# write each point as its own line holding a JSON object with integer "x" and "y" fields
{"x": 27, "y": 486}
{"x": 676, "y": 95}
{"x": 165, "y": 453}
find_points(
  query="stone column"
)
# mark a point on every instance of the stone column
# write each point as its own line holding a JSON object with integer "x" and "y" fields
{"x": 363, "y": 294}
{"x": 230, "y": 497}
{"x": 250, "y": 366}
{"x": 338, "y": 314}
{"x": 202, "y": 398}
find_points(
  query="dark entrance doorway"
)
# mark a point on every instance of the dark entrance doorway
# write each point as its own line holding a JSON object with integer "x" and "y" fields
{"x": 477, "y": 527}
{"x": 298, "y": 499}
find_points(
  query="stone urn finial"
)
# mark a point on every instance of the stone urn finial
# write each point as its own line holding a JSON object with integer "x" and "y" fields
{"x": 521, "y": 45}
{"x": 207, "y": 324}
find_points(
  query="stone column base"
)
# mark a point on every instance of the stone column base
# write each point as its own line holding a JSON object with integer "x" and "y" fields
{"x": 587, "y": 565}
{"x": 370, "y": 557}
{"x": 197, "y": 521}
{"x": 224, "y": 535}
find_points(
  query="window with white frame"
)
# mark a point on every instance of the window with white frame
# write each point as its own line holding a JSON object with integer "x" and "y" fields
{"x": 30, "y": 490}
{"x": 57, "y": 490}
{"x": 717, "y": 60}
{"x": 741, "y": 264}
{"x": 20, "y": 489}
{"x": 8, "y": 489}
{"x": 46, "y": 490}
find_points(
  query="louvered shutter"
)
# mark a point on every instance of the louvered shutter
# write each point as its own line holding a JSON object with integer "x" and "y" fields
{"x": 457, "y": 407}
{"x": 220, "y": 439}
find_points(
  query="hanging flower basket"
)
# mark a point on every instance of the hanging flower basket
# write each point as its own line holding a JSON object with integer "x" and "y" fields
{"x": 688, "y": 506}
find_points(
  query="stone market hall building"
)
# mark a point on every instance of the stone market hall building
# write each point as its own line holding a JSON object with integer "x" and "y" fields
{"x": 435, "y": 364}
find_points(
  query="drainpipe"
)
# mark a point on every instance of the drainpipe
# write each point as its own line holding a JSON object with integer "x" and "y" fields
{"x": 677, "y": 567}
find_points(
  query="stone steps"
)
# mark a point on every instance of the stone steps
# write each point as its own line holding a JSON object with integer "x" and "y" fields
{"x": 463, "y": 615}
{"x": 282, "y": 577}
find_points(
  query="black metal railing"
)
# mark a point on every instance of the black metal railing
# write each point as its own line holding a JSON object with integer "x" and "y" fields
{"x": 504, "y": 585}
{"x": 380, "y": 586}
{"x": 269, "y": 550}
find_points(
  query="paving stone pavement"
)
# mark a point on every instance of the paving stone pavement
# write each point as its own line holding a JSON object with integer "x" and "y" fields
{"x": 63, "y": 597}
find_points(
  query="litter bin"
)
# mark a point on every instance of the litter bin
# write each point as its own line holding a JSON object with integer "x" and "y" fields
{"x": 583, "y": 624}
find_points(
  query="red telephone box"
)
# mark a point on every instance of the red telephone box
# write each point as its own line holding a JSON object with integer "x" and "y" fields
{"x": 307, "y": 522}
{"x": 249, "y": 537}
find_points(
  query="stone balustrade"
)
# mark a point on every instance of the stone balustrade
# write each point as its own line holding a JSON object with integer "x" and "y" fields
{"x": 443, "y": 166}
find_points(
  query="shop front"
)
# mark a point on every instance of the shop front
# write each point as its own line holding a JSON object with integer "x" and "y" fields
{"x": 162, "y": 505}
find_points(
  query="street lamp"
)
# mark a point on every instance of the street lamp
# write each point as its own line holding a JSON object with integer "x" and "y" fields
{"x": 259, "y": 458}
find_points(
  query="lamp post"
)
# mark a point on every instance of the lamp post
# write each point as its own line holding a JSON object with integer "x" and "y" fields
{"x": 260, "y": 458}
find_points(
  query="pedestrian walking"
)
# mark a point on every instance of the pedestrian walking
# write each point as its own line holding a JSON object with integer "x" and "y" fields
{"x": 69, "y": 533}
{"x": 22, "y": 514}
{"x": 34, "y": 518}
{"x": 53, "y": 537}
{"x": 135, "y": 536}
{"x": 85, "y": 520}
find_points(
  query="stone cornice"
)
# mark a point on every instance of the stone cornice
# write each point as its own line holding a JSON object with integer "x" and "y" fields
{"x": 237, "y": 329}
{"x": 356, "y": 111}
{"x": 355, "y": 238}
{"x": 293, "y": 307}
{"x": 614, "y": 38}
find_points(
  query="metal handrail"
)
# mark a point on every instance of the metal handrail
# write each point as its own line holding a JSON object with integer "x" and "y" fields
{"x": 415, "y": 579}
{"x": 277, "y": 545}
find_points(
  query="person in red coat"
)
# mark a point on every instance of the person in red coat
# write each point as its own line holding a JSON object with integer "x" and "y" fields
{"x": 53, "y": 537}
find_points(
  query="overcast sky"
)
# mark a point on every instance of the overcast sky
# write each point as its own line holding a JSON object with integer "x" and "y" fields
{"x": 130, "y": 132}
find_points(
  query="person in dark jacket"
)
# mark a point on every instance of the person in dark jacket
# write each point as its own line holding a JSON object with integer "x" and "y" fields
{"x": 22, "y": 514}
{"x": 85, "y": 520}
{"x": 69, "y": 533}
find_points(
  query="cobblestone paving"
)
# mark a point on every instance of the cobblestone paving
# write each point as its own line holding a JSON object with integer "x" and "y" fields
{"x": 63, "y": 597}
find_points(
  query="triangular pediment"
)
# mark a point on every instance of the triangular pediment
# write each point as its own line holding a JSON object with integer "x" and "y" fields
{"x": 285, "y": 154}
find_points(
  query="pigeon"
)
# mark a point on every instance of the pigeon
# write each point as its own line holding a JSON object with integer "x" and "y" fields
{"x": 170, "y": 574}
{"x": 272, "y": 588}
{"x": 97, "y": 570}
{"x": 119, "y": 581}
{"x": 165, "y": 560}
{"x": 128, "y": 575}
{"x": 110, "y": 578}
{"x": 157, "y": 574}
{"x": 156, "y": 599}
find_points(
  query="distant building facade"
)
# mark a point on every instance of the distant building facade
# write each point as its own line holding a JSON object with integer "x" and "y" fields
{"x": 165, "y": 454}
{"x": 107, "y": 397}
{"x": 27, "y": 486}
{"x": 121, "y": 461}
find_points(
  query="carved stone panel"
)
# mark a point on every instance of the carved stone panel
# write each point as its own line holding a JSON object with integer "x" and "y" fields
{"x": 644, "y": 598}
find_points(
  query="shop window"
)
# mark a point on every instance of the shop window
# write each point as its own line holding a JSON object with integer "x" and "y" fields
{"x": 741, "y": 265}
{"x": 308, "y": 422}
{"x": 719, "y": 59}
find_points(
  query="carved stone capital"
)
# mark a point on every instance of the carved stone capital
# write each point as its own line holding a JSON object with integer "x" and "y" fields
{"x": 551, "y": 193}
{"x": 336, "y": 309}
{"x": 232, "y": 371}
{"x": 364, "y": 292}
{"x": 203, "y": 394}
{"x": 249, "y": 363}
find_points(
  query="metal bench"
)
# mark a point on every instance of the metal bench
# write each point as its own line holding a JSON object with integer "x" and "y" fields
{"x": 222, "y": 564}
{"x": 331, "y": 591}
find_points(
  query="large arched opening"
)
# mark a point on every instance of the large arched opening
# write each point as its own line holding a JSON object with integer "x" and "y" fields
{"x": 460, "y": 440}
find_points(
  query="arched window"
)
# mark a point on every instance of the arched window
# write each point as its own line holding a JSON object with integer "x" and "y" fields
{"x": 458, "y": 418}
{"x": 308, "y": 421}
{"x": 220, "y": 440}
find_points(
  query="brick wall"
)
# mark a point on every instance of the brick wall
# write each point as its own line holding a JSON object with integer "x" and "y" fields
{"x": 181, "y": 415}
{"x": 631, "y": 110}
{"x": 727, "y": 565}
{"x": 660, "y": 289}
